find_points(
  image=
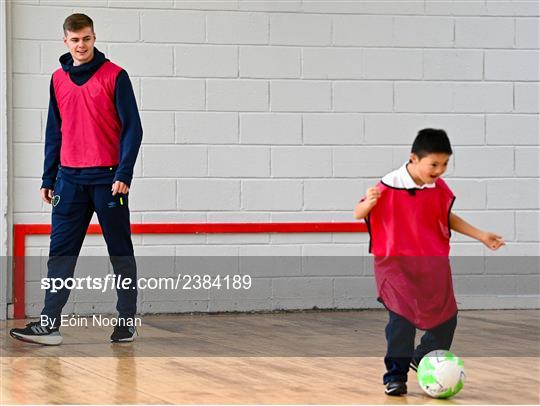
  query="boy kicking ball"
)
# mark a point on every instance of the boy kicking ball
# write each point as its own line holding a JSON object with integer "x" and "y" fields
{"x": 409, "y": 218}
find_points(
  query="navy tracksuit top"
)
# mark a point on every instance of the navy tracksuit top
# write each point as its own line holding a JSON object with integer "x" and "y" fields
{"x": 130, "y": 137}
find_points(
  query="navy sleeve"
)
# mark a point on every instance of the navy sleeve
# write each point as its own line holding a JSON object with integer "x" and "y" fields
{"x": 131, "y": 135}
{"x": 53, "y": 142}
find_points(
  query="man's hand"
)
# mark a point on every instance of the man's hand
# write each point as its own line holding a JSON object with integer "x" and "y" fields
{"x": 492, "y": 241}
{"x": 119, "y": 187}
{"x": 46, "y": 195}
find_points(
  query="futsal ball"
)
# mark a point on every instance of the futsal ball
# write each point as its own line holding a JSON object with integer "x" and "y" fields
{"x": 441, "y": 374}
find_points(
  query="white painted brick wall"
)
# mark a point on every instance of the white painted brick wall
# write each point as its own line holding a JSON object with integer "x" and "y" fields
{"x": 332, "y": 63}
{"x": 521, "y": 129}
{"x": 358, "y": 162}
{"x": 363, "y": 30}
{"x": 392, "y": 64}
{"x": 470, "y": 194}
{"x": 239, "y": 162}
{"x": 474, "y": 162}
{"x": 300, "y": 96}
{"x": 237, "y": 95}
{"x": 528, "y": 226}
{"x": 175, "y": 161}
{"x": 26, "y": 56}
{"x": 286, "y": 111}
{"x": 147, "y": 60}
{"x": 208, "y": 194}
{"x": 27, "y": 125}
{"x": 381, "y": 128}
{"x": 527, "y": 97}
{"x": 423, "y": 31}
{"x": 206, "y": 128}
{"x": 333, "y": 129}
{"x": 333, "y": 194}
{"x": 207, "y": 5}
{"x": 484, "y": 32}
{"x": 464, "y": 64}
{"x": 482, "y": 97}
{"x": 158, "y": 127}
{"x": 517, "y": 194}
{"x": 300, "y": 162}
{"x": 172, "y": 26}
{"x": 23, "y": 167}
{"x": 32, "y": 91}
{"x": 363, "y": 96}
{"x": 512, "y": 65}
{"x": 29, "y": 22}
{"x": 270, "y": 62}
{"x": 269, "y": 5}
{"x": 141, "y": 3}
{"x": 527, "y": 161}
{"x": 433, "y": 97}
{"x": 172, "y": 94}
{"x": 300, "y": 29}
{"x": 159, "y": 194}
{"x": 271, "y": 195}
{"x": 472, "y": 7}
{"x": 116, "y": 25}
{"x": 206, "y": 61}
{"x": 270, "y": 129}
{"x": 360, "y": 7}
{"x": 527, "y": 33}
{"x": 512, "y": 8}
{"x": 237, "y": 28}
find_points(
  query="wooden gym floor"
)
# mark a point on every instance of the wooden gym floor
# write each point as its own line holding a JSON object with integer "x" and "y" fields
{"x": 283, "y": 358}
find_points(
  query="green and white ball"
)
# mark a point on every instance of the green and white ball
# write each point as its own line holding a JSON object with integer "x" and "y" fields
{"x": 441, "y": 374}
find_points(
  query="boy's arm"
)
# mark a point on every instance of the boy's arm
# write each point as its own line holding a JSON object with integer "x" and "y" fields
{"x": 363, "y": 208}
{"x": 491, "y": 240}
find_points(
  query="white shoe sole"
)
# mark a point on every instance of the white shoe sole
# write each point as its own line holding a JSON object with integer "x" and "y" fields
{"x": 43, "y": 340}
{"x": 123, "y": 340}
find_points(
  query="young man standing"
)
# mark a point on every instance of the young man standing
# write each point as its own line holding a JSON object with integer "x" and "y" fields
{"x": 92, "y": 140}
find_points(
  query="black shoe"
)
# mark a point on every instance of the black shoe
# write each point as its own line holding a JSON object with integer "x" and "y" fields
{"x": 36, "y": 333}
{"x": 414, "y": 365}
{"x": 123, "y": 334}
{"x": 396, "y": 388}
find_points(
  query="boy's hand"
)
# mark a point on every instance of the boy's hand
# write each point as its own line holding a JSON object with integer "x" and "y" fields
{"x": 492, "y": 241}
{"x": 372, "y": 195}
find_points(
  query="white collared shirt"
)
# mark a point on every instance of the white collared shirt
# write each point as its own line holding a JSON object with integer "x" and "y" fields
{"x": 401, "y": 178}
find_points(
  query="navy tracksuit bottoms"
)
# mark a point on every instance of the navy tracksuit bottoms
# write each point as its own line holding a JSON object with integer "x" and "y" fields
{"x": 400, "y": 335}
{"x": 73, "y": 207}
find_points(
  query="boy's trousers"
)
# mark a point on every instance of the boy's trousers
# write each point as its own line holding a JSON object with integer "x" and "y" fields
{"x": 73, "y": 207}
{"x": 400, "y": 335}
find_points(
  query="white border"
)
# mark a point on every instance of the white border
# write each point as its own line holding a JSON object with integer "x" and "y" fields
{"x": 5, "y": 210}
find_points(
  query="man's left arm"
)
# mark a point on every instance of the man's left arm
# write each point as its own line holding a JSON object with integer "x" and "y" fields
{"x": 131, "y": 135}
{"x": 491, "y": 240}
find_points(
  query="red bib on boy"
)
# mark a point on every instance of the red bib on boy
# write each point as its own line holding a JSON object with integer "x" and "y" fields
{"x": 90, "y": 124}
{"x": 410, "y": 239}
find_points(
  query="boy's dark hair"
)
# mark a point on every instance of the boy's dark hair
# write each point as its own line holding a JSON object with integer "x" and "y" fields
{"x": 431, "y": 141}
{"x": 76, "y": 22}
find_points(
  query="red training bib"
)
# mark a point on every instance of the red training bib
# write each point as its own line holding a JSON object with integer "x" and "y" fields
{"x": 410, "y": 239}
